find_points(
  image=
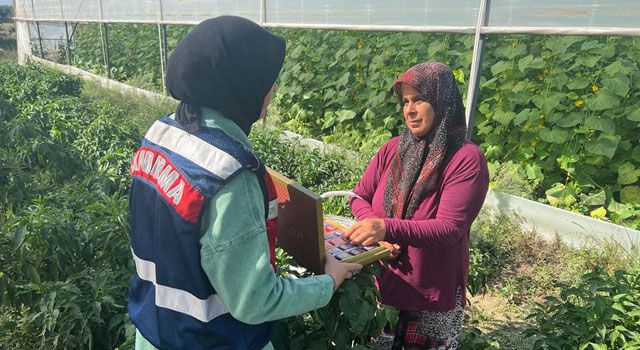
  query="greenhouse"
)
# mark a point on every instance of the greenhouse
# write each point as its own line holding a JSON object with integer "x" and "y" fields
{"x": 551, "y": 92}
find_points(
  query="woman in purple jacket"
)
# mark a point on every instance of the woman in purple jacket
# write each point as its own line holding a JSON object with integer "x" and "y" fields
{"x": 420, "y": 193}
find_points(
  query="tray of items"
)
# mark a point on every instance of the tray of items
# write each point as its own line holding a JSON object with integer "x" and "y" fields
{"x": 341, "y": 248}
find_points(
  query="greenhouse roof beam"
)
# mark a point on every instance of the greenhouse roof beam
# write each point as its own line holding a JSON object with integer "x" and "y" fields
{"x": 610, "y": 31}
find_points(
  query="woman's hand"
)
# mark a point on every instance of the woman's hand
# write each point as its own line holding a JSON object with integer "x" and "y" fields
{"x": 394, "y": 248}
{"x": 339, "y": 271}
{"x": 367, "y": 231}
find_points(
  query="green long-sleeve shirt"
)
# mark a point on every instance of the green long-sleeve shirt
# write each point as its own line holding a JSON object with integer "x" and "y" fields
{"x": 235, "y": 252}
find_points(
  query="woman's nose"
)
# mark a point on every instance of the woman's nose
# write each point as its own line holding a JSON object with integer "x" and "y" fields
{"x": 411, "y": 107}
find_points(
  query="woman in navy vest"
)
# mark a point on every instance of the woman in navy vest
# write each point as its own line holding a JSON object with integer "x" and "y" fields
{"x": 203, "y": 209}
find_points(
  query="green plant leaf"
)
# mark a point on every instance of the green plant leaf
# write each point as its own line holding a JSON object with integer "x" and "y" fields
{"x": 503, "y": 117}
{"x": 345, "y": 114}
{"x": 602, "y": 100}
{"x": 618, "y": 85}
{"x": 569, "y": 120}
{"x": 510, "y": 52}
{"x": 534, "y": 172}
{"x": 630, "y": 194}
{"x": 459, "y": 75}
{"x": 559, "y": 195}
{"x": 634, "y": 116}
{"x": 499, "y": 67}
{"x": 615, "y": 68}
{"x": 566, "y": 163}
{"x": 522, "y": 116}
{"x": 369, "y": 115}
{"x": 627, "y": 174}
{"x": 436, "y": 47}
{"x": 329, "y": 119}
{"x": 605, "y": 145}
{"x": 600, "y": 213}
{"x": 547, "y": 103}
{"x": 635, "y": 155}
{"x": 553, "y": 135}
{"x": 578, "y": 83}
{"x": 530, "y": 62}
{"x": 595, "y": 199}
{"x": 599, "y": 123}
{"x": 485, "y": 108}
{"x": 593, "y": 44}
{"x": 598, "y": 346}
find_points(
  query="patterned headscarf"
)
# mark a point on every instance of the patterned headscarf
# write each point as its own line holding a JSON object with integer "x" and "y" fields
{"x": 416, "y": 168}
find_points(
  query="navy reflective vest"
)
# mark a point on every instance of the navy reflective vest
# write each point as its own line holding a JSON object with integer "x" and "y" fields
{"x": 171, "y": 301}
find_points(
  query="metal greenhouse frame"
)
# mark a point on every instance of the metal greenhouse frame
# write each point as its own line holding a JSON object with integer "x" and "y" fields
{"x": 478, "y": 17}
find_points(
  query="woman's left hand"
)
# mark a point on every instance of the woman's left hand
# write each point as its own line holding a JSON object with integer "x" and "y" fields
{"x": 367, "y": 231}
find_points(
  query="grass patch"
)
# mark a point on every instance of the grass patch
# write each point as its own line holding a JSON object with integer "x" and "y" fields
{"x": 512, "y": 270}
{"x": 142, "y": 110}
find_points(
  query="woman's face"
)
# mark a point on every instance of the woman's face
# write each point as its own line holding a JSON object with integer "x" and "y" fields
{"x": 418, "y": 113}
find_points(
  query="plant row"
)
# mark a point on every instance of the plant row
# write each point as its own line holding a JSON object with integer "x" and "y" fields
{"x": 562, "y": 111}
{"x": 64, "y": 249}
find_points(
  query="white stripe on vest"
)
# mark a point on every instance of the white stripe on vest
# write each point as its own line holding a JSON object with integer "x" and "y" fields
{"x": 193, "y": 148}
{"x": 178, "y": 300}
{"x": 273, "y": 209}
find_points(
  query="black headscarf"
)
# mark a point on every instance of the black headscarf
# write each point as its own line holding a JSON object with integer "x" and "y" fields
{"x": 226, "y": 63}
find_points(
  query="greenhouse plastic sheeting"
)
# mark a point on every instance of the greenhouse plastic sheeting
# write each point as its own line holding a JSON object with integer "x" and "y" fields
{"x": 183, "y": 11}
{"x": 450, "y": 13}
{"x": 565, "y": 13}
{"x": 382, "y": 12}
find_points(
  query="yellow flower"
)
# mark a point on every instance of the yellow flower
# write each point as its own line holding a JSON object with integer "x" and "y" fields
{"x": 579, "y": 103}
{"x": 594, "y": 87}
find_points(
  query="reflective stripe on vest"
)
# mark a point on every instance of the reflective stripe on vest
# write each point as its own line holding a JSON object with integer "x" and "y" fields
{"x": 273, "y": 209}
{"x": 178, "y": 300}
{"x": 194, "y": 149}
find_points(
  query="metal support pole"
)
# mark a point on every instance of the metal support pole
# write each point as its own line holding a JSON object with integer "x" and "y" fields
{"x": 263, "y": 12}
{"x": 162, "y": 41}
{"x": 105, "y": 42}
{"x": 39, "y": 39}
{"x": 33, "y": 8}
{"x": 105, "y": 48}
{"x": 476, "y": 66}
{"x": 66, "y": 32}
{"x": 68, "y": 46}
{"x": 162, "y": 45}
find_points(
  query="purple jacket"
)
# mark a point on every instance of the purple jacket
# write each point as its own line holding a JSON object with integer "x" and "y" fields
{"x": 435, "y": 243}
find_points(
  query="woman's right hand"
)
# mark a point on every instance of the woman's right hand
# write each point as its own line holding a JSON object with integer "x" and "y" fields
{"x": 340, "y": 271}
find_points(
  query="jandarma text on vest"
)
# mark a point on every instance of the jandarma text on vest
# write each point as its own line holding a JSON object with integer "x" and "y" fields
{"x": 153, "y": 166}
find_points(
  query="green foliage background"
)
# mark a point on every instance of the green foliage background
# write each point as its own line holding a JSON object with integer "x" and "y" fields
{"x": 64, "y": 248}
{"x": 563, "y": 111}
{"x": 63, "y": 214}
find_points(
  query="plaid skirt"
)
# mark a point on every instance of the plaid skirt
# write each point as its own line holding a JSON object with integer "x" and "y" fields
{"x": 426, "y": 329}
